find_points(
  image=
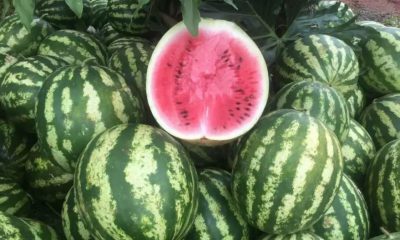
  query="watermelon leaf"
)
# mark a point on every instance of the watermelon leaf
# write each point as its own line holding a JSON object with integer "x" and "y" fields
{"x": 76, "y": 6}
{"x": 191, "y": 15}
{"x": 25, "y": 9}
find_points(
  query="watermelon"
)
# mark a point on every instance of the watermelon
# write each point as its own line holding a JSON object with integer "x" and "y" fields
{"x": 227, "y": 93}
{"x": 383, "y": 187}
{"x": 13, "y": 199}
{"x": 129, "y": 16}
{"x": 381, "y": 61}
{"x": 15, "y": 228}
{"x": 382, "y": 119}
{"x": 294, "y": 236}
{"x": 136, "y": 181}
{"x": 6, "y": 60}
{"x": 319, "y": 57}
{"x": 217, "y": 215}
{"x": 14, "y": 146}
{"x": 14, "y": 34}
{"x": 319, "y": 100}
{"x": 98, "y": 15}
{"x": 125, "y": 42}
{"x": 358, "y": 152}
{"x": 108, "y": 34}
{"x": 78, "y": 102}
{"x": 20, "y": 86}
{"x": 356, "y": 101}
{"x": 74, "y": 227}
{"x": 74, "y": 47}
{"x": 343, "y": 13}
{"x": 132, "y": 63}
{"x": 47, "y": 181}
{"x": 347, "y": 218}
{"x": 59, "y": 14}
{"x": 287, "y": 172}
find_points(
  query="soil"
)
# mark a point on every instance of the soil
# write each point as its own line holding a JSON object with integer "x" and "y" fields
{"x": 376, "y": 10}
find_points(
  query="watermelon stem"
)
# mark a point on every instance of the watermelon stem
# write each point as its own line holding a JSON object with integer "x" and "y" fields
{"x": 386, "y": 232}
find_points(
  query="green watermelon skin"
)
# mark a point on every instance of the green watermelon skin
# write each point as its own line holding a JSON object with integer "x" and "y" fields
{"x": 74, "y": 47}
{"x": 98, "y": 15}
{"x": 381, "y": 60}
{"x": 129, "y": 41}
{"x": 74, "y": 227}
{"x": 129, "y": 16}
{"x": 108, "y": 34}
{"x": 14, "y": 34}
{"x": 217, "y": 216}
{"x": 13, "y": 199}
{"x": 59, "y": 14}
{"x": 47, "y": 181}
{"x": 287, "y": 150}
{"x": 14, "y": 146}
{"x": 15, "y": 228}
{"x": 383, "y": 187}
{"x": 136, "y": 181}
{"x": 6, "y": 61}
{"x": 382, "y": 119}
{"x": 356, "y": 101}
{"x": 358, "y": 152}
{"x": 131, "y": 63}
{"x": 294, "y": 236}
{"x": 347, "y": 218}
{"x": 78, "y": 102}
{"x": 319, "y": 100}
{"x": 320, "y": 58}
{"x": 20, "y": 86}
{"x": 343, "y": 12}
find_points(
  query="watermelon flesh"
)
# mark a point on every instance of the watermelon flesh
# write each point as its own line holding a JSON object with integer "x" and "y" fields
{"x": 210, "y": 88}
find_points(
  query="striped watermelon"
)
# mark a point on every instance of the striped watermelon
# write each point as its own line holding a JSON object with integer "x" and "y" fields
{"x": 4, "y": 48}
{"x": 217, "y": 217}
{"x": 74, "y": 227}
{"x": 98, "y": 15}
{"x": 383, "y": 187}
{"x": 358, "y": 152}
{"x": 343, "y": 13}
{"x": 319, "y": 100}
{"x": 13, "y": 199}
{"x": 132, "y": 63}
{"x": 74, "y": 47}
{"x": 78, "y": 102}
{"x": 287, "y": 172}
{"x": 108, "y": 34}
{"x": 14, "y": 228}
{"x": 20, "y": 86}
{"x": 14, "y": 145}
{"x": 382, "y": 119}
{"x": 6, "y": 60}
{"x": 294, "y": 236}
{"x": 19, "y": 39}
{"x": 59, "y": 14}
{"x": 322, "y": 58}
{"x": 136, "y": 181}
{"x": 381, "y": 60}
{"x": 125, "y": 42}
{"x": 129, "y": 16}
{"x": 356, "y": 101}
{"x": 47, "y": 181}
{"x": 347, "y": 218}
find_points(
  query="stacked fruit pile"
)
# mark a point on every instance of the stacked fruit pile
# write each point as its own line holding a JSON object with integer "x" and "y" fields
{"x": 107, "y": 134}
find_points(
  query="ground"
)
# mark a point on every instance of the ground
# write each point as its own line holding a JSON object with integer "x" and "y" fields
{"x": 385, "y": 11}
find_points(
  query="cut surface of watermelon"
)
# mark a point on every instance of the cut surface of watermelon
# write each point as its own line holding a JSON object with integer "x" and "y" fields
{"x": 209, "y": 88}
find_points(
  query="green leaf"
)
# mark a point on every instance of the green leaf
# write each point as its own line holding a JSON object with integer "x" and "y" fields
{"x": 76, "y": 6}
{"x": 267, "y": 10}
{"x": 25, "y": 9}
{"x": 191, "y": 15}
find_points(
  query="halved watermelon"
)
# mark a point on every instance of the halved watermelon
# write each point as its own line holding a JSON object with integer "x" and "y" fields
{"x": 210, "y": 88}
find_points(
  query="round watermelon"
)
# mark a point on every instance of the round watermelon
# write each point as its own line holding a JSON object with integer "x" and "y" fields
{"x": 287, "y": 172}
{"x": 136, "y": 181}
{"x": 383, "y": 187}
{"x": 217, "y": 216}
{"x": 78, "y": 102}
{"x": 14, "y": 200}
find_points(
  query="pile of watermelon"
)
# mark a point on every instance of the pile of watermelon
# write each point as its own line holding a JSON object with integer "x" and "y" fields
{"x": 107, "y": 133}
